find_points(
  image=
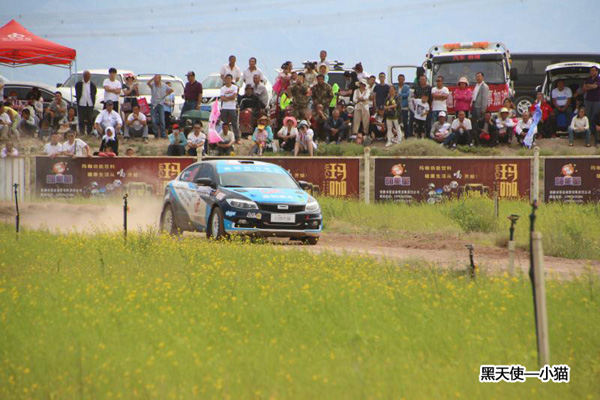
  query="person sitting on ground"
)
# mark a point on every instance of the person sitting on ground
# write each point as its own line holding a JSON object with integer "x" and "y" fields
{"x": 108, "y": 117}
{"x": 28, "y": 125}
{"x": 56, "y": 111}
{"x": 304, "y": 141}
{"x": 440, "y": 128}
{"x": 523, "y": 127}
{"x": 196, "y": 140}
{"x": 505, "y": 125}
{"x": 547, "y": 112}
{"x": 225, "y": 146}
{"x": 420, "y": 108}
{"x": 262, "y": 136}
{"x": 335, "y": 127}
{"x": 109, "y": 140}
{"x": 462, "y": 97}
{"x": 177, "y": 142}
{"x": 580, "y": 126}
{"x": 378, "y": 125}
{"x": 70, "y": 120}
{"x": 136, "y": 124}
{"x": 75, "y": 147}
{"x": 287, "y": 134}
{"x": 54, "y": 148}
{"x": 9, "y": 150}
{"x": 486, "y": 132}
{"x": 461, "y": 131}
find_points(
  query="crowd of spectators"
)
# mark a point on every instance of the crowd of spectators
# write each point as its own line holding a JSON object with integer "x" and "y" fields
{"x": 304, "y": 112}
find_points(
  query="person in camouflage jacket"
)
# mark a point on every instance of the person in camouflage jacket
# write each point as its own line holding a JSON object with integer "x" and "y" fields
{"x": 322, "y": 94}
{"x": 299, "y": 94}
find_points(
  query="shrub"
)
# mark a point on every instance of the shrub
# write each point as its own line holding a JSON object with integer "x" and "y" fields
{"x": 416, "y": 148}
{"x": 474, "y": 214}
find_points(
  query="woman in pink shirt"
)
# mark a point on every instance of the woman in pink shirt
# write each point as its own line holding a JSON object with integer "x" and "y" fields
{"x": 462, "y": 97}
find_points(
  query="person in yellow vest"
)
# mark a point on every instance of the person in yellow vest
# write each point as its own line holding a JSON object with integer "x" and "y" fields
{"x": 11, "y": 119}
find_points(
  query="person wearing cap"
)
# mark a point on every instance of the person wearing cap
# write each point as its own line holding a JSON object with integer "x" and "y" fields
{"x": 192, "y": 95}
{"x": 287, "y": 134}
{"x": 108, "y": 117}
{"x": 158, "y": 94}
{"x": 362, "y": 103}
{"x": 304, "y": 141}
{"x": 262, "y": 136}
{"x": 112, "y": 89}
{"x": 109, "y": 143}
{"x": 486, "y": 132}
{"x": 251, "y": 72}
{"x": 480, "y": 99}
{"x": 440, "y": 128}
{"x": 136, "y": 124}
{"x": 392, "y": 107}
{"x": 231, "y": 69}
{"x": 85, "y": 95}
{"x": 177, "y": 142}
{"x": 462, "y": 97}
{"x": 196, "y": 140}
{"x": 505, "y": 125}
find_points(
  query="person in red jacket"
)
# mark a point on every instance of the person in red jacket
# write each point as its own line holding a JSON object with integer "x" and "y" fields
{"x": 543, "y": 126}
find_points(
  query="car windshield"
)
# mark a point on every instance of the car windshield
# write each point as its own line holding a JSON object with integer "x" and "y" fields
{"x": 257, "y": 179}
{"x": 145, "y": 89}
{"x": 212, "y": 82}
{"x": 493, "y": 71}
{"x": 98, "y": 80}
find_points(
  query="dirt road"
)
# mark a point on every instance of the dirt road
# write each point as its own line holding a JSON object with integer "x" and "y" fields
{"x": 445, "y": 251}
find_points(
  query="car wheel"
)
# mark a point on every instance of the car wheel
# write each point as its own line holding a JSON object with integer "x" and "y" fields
{"x": 216, "y": 229}
{"x": 168, "y": 224}
{"x": 310, "y": 240}
{"x": 522, "y": 104}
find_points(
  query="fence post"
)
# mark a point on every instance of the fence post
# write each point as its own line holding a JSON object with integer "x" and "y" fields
{"x": 541, "y": 316}
{"x": 535, "y": 195}
{"x": 27, "y": 174}
{"x": 367, "y": 173}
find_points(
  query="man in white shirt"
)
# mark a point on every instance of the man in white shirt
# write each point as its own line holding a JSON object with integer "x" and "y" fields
{"x": 137, "y": 124}
{"x": 562, "y": 97}
{"x": 231, "y": 69}
{"x": 323, "y": 60}
{"x": 225, "y": 146}
{"x": 108, "y": 117}
{"x": 439, "y": 94}
{"x": 85, "y": 93}
{"x": 252, "y": 71}
{"x": 461, "y": 131}
{"x": 112, "y": 89}
{"x": 54, "y": 148}
{"x": 196, "y": 140}
{"x": 523, "y": 127}
{"x": 229, "y": 113}
{"x": 75, "y": 147}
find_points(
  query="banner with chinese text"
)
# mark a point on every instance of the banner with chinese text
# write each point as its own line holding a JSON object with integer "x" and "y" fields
{"x": 434, "y": 179}
{"x": 572, "y": 179}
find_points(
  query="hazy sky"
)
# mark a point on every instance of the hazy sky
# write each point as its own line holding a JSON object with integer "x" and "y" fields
{"x": 153, "y": 36}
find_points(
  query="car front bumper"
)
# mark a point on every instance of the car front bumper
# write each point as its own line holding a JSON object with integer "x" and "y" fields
{"x": 258, "y": 224}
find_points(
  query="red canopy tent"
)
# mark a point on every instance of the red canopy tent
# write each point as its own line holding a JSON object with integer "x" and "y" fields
{"x": 20, "y": 48}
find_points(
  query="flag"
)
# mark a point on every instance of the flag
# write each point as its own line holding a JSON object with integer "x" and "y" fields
{"x": 537, "y": 116}
{"x": 215, "y": 113}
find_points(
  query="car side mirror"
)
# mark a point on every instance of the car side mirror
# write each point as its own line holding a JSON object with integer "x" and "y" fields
{"x": 305, "y": 185}
{"x": 204, "y": 182}
{"x": 514, "y": 74}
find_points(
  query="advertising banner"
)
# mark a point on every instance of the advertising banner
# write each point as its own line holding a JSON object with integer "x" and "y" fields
{"x": 432, "y": 180}
{"x": 138, "y": 176}
{"x": 572, "y": 179}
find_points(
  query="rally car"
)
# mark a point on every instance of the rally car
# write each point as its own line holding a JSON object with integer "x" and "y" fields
{"x": 243, "y": 197}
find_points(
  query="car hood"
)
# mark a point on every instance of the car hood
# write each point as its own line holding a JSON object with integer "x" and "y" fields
{"x": 263, "y": 195}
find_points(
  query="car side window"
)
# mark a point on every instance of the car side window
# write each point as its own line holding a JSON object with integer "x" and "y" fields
{"x": 207, "y": 172}
{"x": 189, "y": 174}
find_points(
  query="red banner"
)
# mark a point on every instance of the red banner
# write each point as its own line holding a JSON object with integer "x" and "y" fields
{"x": 572, "y": 179}
{"x": 434, "y": 179}
{"x": 142, "y": 176}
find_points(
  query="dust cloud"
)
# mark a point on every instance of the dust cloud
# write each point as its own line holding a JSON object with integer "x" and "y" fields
{"x": 144, "y": 213}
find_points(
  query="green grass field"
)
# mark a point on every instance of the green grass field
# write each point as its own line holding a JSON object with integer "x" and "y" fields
{"x": 88, "y": 317}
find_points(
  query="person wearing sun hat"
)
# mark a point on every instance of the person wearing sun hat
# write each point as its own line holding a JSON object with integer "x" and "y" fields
{"x": 262, "y": 136}
{"x": 505, "y": 125}
{"x": 287, "y": 134}
{"x": 362, "y": 102}
{"x": 304, "y": 141}
{"x": 462, "y": 97}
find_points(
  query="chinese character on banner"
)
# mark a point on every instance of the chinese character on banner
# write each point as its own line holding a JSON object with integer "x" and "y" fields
{"x": 335, "y": 179}
{"x": 168, "y": 170}
{"x": 507, "y": 175}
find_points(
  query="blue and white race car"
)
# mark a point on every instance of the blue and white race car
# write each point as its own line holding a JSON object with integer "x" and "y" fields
{"x": 245, "y": 197}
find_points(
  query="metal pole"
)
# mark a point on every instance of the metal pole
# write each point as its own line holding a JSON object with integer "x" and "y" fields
{"x": 512, "y": 244}
{"x": 535, "y": 195}
{"x": 541, "y": 315}
{"x": 125, "y": 211}
{"x": 17, "y": 217}
{"x": 367, "y": 172}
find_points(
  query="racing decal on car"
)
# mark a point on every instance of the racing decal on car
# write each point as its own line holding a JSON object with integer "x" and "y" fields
{"x": 230, "y": 213}
{"x": 254, "y": 215}
{"x": 220, "y": 195}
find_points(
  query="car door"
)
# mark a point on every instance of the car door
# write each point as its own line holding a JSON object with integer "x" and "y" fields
{"x": 185, "y": 189}
{"x": 203, "y": 196}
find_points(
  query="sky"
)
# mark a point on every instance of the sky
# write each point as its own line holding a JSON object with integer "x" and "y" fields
{"x": 155, "y": 36}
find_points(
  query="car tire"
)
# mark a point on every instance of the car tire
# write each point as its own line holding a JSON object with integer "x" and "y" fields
{"x": 216, "y": 228}
{"x": 310, "y": 240}
{"x": 168, "y": 223}
{"x": 522, "y": 104}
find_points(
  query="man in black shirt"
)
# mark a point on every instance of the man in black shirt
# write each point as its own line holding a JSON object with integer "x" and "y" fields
{"x": 421, "y": 89}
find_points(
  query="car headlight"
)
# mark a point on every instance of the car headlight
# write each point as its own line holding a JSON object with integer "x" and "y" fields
{"x": 242, "y": 204}
{"x": 313, "y": 206}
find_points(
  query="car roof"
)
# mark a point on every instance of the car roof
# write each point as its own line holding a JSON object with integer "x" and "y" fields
{"x": 26, "y": 83}
{"x": 581, "y": 64}
{"x": 105, "y": 71}
{"x": 239, "y": 162}
{"x": 164, "y": 76}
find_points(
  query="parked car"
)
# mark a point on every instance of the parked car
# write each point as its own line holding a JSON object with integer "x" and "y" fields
{"x": 176, "y": 84}
{"x": 531, "y": 69}
{"x": 574, "y": 73}
{"x": 23, "y": 88}
{"x": 98, "y": 77}
{"x": 211, "y": 91}
{"x": 240, "y": 197}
